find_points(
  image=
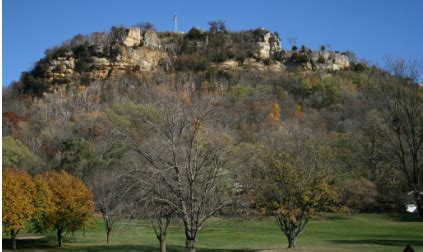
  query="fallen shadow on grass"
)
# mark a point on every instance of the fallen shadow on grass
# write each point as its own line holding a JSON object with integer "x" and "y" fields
{"x": 45, "y": 245}
{"x": 381, "y": 242}
{"x": 409, "y": 217}
{"x": 28, "y": 244}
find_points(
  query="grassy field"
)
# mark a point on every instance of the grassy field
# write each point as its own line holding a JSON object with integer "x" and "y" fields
{"x": 366, "y": 232}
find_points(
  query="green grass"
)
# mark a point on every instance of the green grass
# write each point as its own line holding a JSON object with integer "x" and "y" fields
{"x": 366, "y": 232}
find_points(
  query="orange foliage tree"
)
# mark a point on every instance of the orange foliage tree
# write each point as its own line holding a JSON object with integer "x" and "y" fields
{"x": 17, "y": 201}
{"x": 43, "y": 202}
{"x": 275, "y": 114}
{"x": 71, "y": 207}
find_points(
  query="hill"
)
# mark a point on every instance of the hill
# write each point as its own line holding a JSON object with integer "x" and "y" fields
{"x": 219, "y": 123}
{"x": 136, "y": 50}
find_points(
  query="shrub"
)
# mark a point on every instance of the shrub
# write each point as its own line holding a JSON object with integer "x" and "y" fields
{"x": 279, "y": 56}
{"x": 321, "y": 60}
{"x": 32, "y": 85}
{"x": 195, "y": 34}
{"x": 303, "y": 58}
{"x": 357, "y": 194}
{"x": 358, "y": 67}
{"x": 191, "y": 62}
{"x": 267, "y": 61}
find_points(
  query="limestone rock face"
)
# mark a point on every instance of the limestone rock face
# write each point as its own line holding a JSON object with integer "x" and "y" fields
{"x": 268, "y": 43}
{"x": 61, "y": 68}
{"x": 100, "y": 68}
{"x": 133, "y": 37}
{"x": 151, "y": 39}
{"x": 253, "y": 64}
{"x": 138, "y": 52}
{"x": 141, "y": 58}
{"x": 329, "y": 60}
{"x": 100, "y": 63}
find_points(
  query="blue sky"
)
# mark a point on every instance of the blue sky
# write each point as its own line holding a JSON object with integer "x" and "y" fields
{"x": 371, "y": 29}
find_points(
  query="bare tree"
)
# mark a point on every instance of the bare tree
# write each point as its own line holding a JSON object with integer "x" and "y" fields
{"x": 160, "y": 215}
{"x": 183, "y": 151}
{"x": 111, "y": 198}
{"x": 114, "y": 197}
{"x": 400, "y": 106}
{"x": 292, "y": 41}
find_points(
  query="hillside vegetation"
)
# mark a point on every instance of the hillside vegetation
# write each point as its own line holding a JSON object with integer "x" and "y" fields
{"x": 187, "y": 126}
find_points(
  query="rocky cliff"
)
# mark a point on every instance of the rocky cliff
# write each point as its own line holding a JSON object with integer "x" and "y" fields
{"x": 138, "y": 51}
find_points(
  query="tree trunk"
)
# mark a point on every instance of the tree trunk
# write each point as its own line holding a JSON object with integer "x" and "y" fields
{"x": 13, "y": 239}
{"x": 291, "y": 241}
{"x": 419, "y": 203}
{"x": 59, "y": 237}
{"x": 162, "y": 243}
{"x": 109, "y": 230}
{"x": 190, "y": 245}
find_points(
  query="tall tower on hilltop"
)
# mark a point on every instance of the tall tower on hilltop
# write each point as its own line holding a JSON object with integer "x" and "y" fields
{"x": 175, "y": 22}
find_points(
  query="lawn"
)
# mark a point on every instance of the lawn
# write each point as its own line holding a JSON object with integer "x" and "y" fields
{"x": 366, "y": 232}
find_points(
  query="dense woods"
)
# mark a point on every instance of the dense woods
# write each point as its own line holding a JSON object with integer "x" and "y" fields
{"x": 198, "y": 141}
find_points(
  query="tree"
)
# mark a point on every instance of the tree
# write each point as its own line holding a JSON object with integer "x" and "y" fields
{"x": 293, "y": 180}
{"x": 112, "y": 196}
{"x": 76, "y": 156}
{"x": 357, "y": 194}
{"x": 275, "y": 114}
{"x": 72, "y": 205}
{"x": 400, "y": 105}
{"x": 17, "y": 201}
{"x": 146, "y": 26}
{"x": 42, "y": 200}
{"x": 184, "y": 151}
{"x": 292, "y": 41}
{"x": 160, "y": 215}
{"x": 217, "y": 26}
{"x": 17, "y": 155}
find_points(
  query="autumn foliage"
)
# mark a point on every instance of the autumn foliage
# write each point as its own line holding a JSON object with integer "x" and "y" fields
{"x": 51, "y": 201}
{"x": 72, "y": 204}
{"x": 17, "y": 201}
{"x": 275, "y": 114}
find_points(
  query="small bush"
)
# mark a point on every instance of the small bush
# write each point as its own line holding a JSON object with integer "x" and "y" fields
{"x": 196, "y": 34}
{"x": 191, "y": 62}
{"x": 267, "y": 61}
{"x": 358, "y": 67}
{"x": 304, "y": 58}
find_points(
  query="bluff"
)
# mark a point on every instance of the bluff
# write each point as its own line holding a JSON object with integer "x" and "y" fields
{"x": 139, "y": 51}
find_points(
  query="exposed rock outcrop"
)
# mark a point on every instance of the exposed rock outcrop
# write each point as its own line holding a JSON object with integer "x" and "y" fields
{"x": 268, "y": 44}
{"x": 150, "y": 39}
{"x": 137, "y": 51}
{"x": 329, "y": 60}
{"x": 141, "y": 59}
{"x": 133, "y": 37}
{"x": 134, "y": 52}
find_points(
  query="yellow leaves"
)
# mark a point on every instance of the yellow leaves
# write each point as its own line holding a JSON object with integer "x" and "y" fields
{"x": 72, "y": 203}
{"x": 16, "y": 199}
{"x": 275, "y": 114}
{"x": 49, "y": 199}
